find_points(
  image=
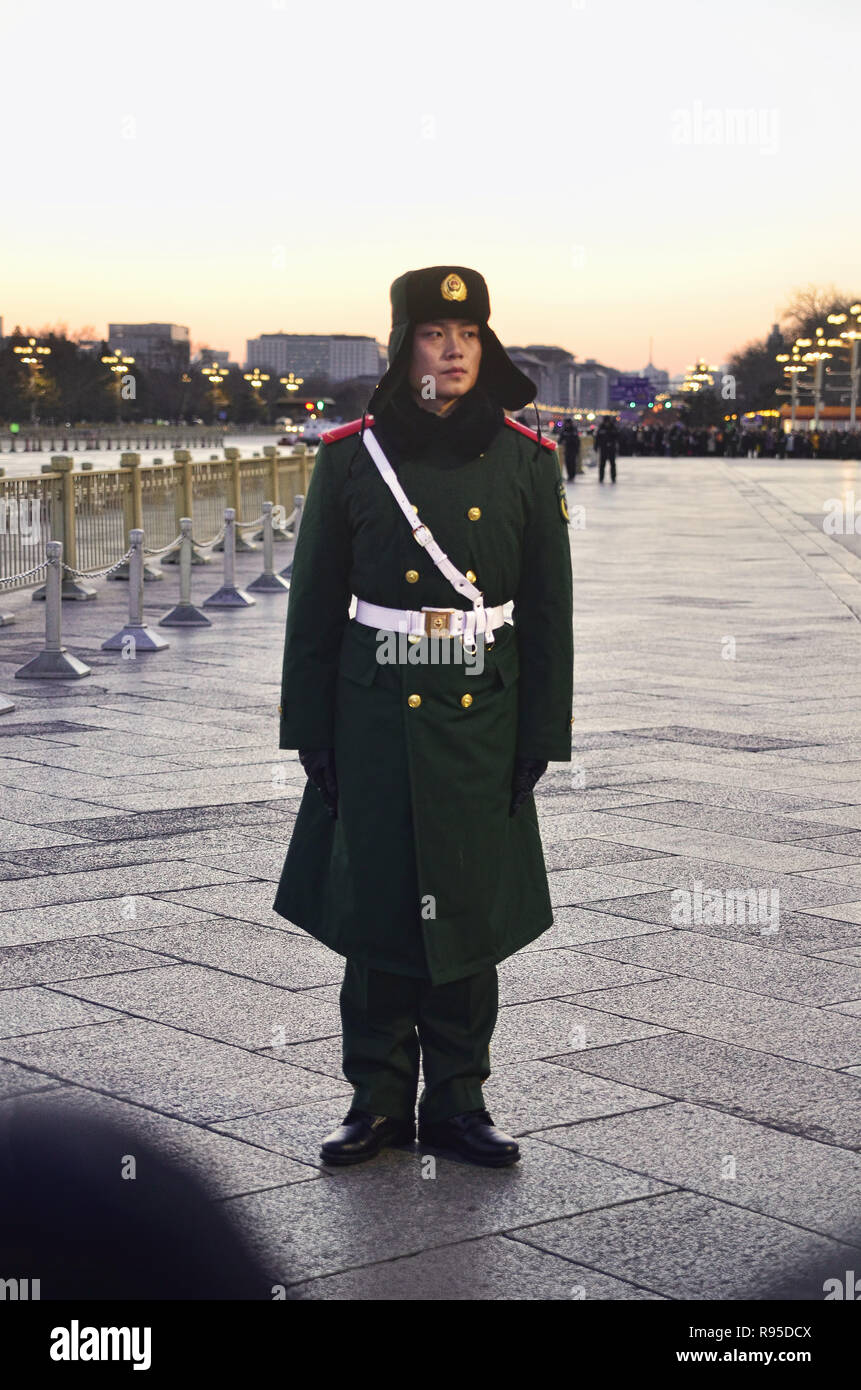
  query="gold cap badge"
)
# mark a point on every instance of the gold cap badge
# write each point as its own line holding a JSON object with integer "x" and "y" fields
{"x": 453, "y": 288}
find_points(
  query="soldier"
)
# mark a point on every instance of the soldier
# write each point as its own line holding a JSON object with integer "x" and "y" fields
{"x": 606, "y": 441}
{"x": 416, "y": 852}
{"x": 569, "y": 438}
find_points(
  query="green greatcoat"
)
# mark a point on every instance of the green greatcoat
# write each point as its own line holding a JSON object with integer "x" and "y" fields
{"x": 424, "y": 872}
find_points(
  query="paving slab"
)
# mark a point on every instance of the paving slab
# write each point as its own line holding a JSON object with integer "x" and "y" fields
{"x": 126, "y": 881}
{"x": 682, "y": 871}
{"x": 281, "y": 958}
{"x": 212, "y": 1004}
{"x": 797, "y": 1097}
{"x": 574, "y": 925}
{"x": 224, "y": 1166}
{"x": 550, "y": 1027}
{"x": 489, "y": 1269}
{"x": 734, "y": 1015}
{"x": 553, "y": 973}
{"x": 17, "y": 1081}
{"x": 169, "y": 1070}
{"x": 171, "y": 822}
{"x": 90, "y": 918}
{"x": 530, "y": 1096}
{"x": 689, "y": 1247}
{"x": 388, "y": 1208}
{"x": 243, "y": 902}
{"x": 776, "y": 974}
{"x": 46, "y": 962}
{"x": 733, "y": 1160}
{"x": 85, "y": 855}
{"x": 36, "y": 1010}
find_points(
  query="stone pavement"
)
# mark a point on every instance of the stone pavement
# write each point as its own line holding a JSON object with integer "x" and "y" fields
{"x": 680, "y": 1054}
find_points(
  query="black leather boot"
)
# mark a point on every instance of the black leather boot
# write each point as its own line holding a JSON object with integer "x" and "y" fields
{"x": 472, "y": 1136}
{"x": 361, "y": 1135}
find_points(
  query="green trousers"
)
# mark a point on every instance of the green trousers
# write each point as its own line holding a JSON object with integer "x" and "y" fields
{"x": 388, "y": 1020}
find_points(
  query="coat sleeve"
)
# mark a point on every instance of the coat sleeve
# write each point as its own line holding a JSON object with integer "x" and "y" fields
{"x": 543, "y": 620}
{"x": 317, "y": 613}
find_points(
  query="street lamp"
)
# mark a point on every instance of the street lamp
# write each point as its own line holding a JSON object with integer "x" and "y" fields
{"x": 291, "y": 382}
{"x": 256, "y": 378}
{"x": 794, "y": 368}
{"x": 215, "y": 375}
{"x": 119, "y": 365}
{"x": 851, "y": 337}
{"x": 31, "y": 355}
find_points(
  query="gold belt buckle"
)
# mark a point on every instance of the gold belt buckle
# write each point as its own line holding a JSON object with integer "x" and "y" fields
{"x": 435, "y": 624}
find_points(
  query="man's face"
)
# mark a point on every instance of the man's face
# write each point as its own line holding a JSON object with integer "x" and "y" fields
{"x": 445, "y": 359}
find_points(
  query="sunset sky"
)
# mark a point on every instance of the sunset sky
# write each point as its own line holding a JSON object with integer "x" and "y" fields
{"x": 245, "y": 166}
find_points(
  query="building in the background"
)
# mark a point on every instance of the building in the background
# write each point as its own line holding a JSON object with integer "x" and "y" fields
{"x": 1, "y": 328}
{"x": 659, "y": 378}
{"x": 534, "y": 368}
{"x": 556, "y": 378}
{"x": 158, "y": 346}
{"x": 775, "y": 341}
{"x": 593, "y": 385}
{"x": 337, "y": 356}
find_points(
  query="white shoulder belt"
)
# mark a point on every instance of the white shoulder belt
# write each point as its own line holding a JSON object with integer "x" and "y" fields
{"x": 481, "y": 620}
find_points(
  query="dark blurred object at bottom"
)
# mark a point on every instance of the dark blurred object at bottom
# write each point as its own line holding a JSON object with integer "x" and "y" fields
{"x": 69, "y": 1217}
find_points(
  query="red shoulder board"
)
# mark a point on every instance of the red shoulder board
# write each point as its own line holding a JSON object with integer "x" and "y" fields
{"x": 341, "y": 431}
{"x": 531, "y": 434}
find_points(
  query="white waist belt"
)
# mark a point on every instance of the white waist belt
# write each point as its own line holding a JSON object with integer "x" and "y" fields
{"x": 432, "y": 622}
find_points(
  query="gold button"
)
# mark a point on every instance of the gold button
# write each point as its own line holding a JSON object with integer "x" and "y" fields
{"x": 413, "y": 637}
{"x": 474, "y": 513}
{"x": 414, "y": 701}
{"x": 411, "y": 576}
{"x": 414, "y": 507}
{"x": 280, "y": 710}
{"x": 466, "y": 701}
{"x": 470, "y": 574}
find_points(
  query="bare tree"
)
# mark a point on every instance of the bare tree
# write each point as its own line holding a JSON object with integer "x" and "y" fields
{"x": 809, "y": 308}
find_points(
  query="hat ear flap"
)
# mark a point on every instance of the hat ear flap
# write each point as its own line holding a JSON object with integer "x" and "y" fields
{"x": 400, "y": 353}
{"x": 507, "y": 384}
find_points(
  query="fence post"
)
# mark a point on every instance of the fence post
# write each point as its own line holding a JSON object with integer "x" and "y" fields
{"x": 133, "y": 511}
{"x": 234, "y": 497}
{"x": 268, "y": 581}
{"x": 184, "y": 506}
{"x": 271, "y": 453}
{"x": 299, "y": 504}
{"x": 135, "y": 635}
{"x": 228, "y": 596}
{"x": 70, "y": 588}
{"x": 53, "y": 662}
{"x": 184, "y": 613}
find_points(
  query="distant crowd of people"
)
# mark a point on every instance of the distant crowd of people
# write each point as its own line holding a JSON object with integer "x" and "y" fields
{"x": 679, "y": 440}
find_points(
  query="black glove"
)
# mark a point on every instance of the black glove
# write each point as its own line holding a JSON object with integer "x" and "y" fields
{"x": 319, "y": 765}
{"x": 526, "y": 773}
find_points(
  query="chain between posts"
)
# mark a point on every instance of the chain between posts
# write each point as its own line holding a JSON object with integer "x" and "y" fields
{"x": 26, "y": 574}
{"x": 97, "y": 574}
{"x": 147, "y": 550}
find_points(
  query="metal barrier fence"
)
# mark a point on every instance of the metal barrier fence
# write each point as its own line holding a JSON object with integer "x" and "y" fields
{"x": 55, "y": 662}
{"x": 92, "y": 513}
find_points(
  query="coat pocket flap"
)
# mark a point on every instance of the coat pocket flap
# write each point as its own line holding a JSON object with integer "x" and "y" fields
{"x": 507, "y": 660}
{"x": 358, "y": 662}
